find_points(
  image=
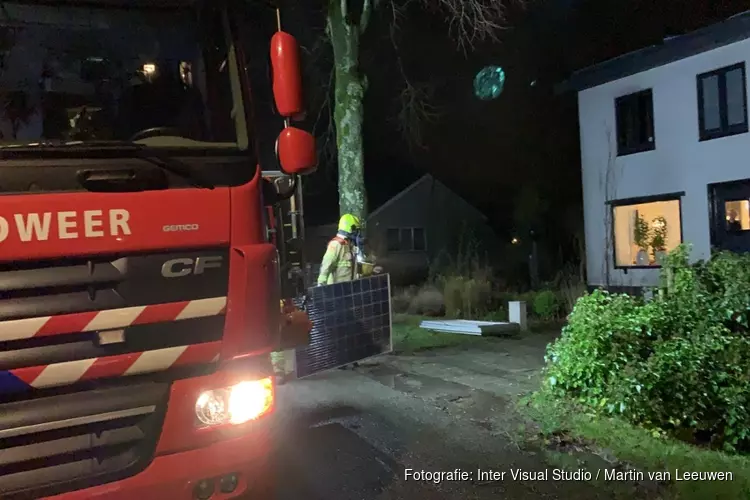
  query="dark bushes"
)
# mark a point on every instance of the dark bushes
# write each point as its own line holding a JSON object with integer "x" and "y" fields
{"x": 679, "y": 364}
{"x": 546, "y": 305}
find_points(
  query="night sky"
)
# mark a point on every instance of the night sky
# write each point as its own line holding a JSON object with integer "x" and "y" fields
{"x": 528, "y": 137}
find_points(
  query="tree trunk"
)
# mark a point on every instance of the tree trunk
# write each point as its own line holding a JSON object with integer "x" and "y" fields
{"x": 349, "y": 91}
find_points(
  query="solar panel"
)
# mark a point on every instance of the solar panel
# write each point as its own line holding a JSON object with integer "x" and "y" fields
{"x": 351, "y": 322}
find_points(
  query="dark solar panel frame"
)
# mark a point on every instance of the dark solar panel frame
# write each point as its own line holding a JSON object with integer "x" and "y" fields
{"x": 351, "y": 322}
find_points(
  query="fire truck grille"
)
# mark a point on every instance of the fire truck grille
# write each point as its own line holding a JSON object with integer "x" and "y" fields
{"x": 68, "y": 442}
{"x": 64, "y": 322}
{"x": 54, "y": 287}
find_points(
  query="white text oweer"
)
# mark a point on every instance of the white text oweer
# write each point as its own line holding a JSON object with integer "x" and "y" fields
{"x": 68, "y": 225}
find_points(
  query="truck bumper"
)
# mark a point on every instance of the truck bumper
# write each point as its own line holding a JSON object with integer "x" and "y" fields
{"x": 175, "y": 476}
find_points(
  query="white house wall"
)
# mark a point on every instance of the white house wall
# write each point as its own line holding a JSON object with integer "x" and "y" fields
{"x": 678, "y": 163}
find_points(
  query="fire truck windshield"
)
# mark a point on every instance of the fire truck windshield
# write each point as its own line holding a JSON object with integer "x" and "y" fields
{"x": 162, "y": 78}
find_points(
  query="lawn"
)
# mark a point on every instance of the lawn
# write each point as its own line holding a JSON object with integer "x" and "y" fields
{"x": 643, "y": 450}
{"x": 619, "y": 439}
{"x": 409, "y": 338}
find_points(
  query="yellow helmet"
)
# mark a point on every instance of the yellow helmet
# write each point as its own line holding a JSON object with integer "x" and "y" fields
{"x": 348, "y": 223}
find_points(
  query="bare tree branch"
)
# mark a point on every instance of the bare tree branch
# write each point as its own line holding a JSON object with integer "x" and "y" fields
{"x": 415, "y": 108}
{"x": 319, "y": 77}
{"x": 344, "y": 9}
{"x": 323, "y": 127}
{"x": 471, "y": 21}
{"x": 398, "y": 13}
{"x": 416, "y": 112}
{"x": 608, "y": 179}
{"x": 364, "y": 18}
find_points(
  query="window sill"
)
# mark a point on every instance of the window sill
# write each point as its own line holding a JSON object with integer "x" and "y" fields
{"x": 636, "y": 150}
{"x": 626, "y": 268}
{"x": 705, "y": 136}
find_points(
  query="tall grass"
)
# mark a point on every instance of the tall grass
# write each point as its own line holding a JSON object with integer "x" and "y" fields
{"x": 570, "y": 286}
{"x": 465, "y": 279}
{"x": 463, "y": 285}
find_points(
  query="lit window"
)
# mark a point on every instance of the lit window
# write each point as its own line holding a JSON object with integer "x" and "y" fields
{"x": 149, "y": 69}
{"x": 645, "y": 232}
{"x": 737, "y": 215}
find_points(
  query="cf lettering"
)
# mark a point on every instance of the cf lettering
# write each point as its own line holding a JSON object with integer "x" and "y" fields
{"x": 203, "y": 263}
{"x": 177, "y": 268}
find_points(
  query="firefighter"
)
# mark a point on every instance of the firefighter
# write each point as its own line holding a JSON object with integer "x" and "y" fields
{"x": 343, "y": 254}
{"x": 339, "y": 264}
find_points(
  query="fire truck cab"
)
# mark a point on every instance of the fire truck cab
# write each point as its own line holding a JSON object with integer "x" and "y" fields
{"x": 140, "y": 274}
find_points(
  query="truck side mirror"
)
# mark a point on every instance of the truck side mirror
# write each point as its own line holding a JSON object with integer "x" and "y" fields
{"x": 295, "y": 150}
{"x": 287, "y": 75}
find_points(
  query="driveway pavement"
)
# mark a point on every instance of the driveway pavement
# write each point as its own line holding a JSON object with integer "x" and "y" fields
{"x": 353, "y": 434}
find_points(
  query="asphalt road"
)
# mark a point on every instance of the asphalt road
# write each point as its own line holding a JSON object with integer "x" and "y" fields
{"x": 351, "y": 435}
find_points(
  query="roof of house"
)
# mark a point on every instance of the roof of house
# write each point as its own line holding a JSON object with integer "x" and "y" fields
{"x": 731, "y": 30}
{"x": 399, "y": 174}
{"x": 411, "y": 187}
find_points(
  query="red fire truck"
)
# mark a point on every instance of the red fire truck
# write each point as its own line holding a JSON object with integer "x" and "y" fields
{"x": 140, "y": 271}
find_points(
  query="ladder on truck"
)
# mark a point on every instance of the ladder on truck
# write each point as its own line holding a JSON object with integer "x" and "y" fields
{"x": 286, "y": 230}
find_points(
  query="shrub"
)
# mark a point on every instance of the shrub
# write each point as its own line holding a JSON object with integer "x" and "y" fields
{"x": 529, "y": 298}
{"x": 677, "y": 364}
{"x": 466, "y": 297}
{"x": 571, "y": 287}
{"x": 546, "y": 305}
{"x": 464, "y": 278}
{"x": 602, "y": 339}
{"x": 697, "y": 387}
{"x": 428, "y": 301}
{"x": 453, "y": 296}
{"x": 401, "y": 300}
{"x": 496, "y": 315}
{"x": 478, "y": 295}
{"x": 498, "y": 305}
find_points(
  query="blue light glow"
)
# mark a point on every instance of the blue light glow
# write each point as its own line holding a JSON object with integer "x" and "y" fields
{"x": 489, "y": 83}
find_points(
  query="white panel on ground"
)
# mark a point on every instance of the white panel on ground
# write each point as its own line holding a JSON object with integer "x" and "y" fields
{"x": 468, "y": 327}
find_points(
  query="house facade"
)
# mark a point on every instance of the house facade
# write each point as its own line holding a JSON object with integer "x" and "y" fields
{"x": 665, "y": 152}
{"x": 424, "y": 222}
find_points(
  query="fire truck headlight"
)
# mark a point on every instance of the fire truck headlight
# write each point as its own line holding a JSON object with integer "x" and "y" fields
{"x": 212, "y": 407}
{"x": 240, "y": 403}
{"x": 250, "y": 400}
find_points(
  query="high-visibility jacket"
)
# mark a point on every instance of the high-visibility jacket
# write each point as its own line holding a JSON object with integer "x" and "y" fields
{"x": 339, "y": 262}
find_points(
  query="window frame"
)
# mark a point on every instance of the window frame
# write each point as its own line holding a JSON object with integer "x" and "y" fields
{"x": 402, "y": 249}
{"x": 726, "y": 214}
{"x": 641, "y": 200}
{"x": 414, "y": 239}
{"x": 726, "y": 130}
{"x": 622, "y": 101}
{"x": 406, "y": 235}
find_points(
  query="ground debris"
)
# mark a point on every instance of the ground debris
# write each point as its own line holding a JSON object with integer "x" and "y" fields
{"x": 584, "y": 452}
{"x": 484, "y": 423}
{"x": 563, "y": 442}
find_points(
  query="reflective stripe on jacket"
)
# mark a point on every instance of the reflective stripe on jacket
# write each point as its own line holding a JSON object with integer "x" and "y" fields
{"x": 339, "y": 262}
